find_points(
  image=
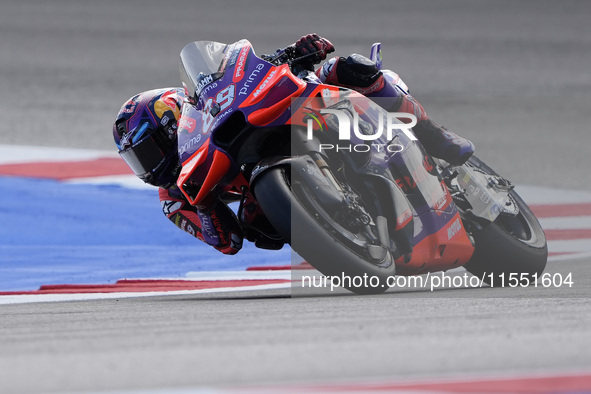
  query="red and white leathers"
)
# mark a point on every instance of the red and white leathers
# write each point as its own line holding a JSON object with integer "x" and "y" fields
{"x": 217, "y": 226}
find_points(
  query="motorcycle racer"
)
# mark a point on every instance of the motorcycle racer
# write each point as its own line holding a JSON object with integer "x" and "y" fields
{"x": 145, "y": 132}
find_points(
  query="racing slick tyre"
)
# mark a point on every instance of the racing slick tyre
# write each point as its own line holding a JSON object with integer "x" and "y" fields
{"x": 512, "y": 250}
{"x": 311, "y": 231}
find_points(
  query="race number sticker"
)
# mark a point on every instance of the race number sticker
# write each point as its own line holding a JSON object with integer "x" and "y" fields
{"x": 223, "y": 100}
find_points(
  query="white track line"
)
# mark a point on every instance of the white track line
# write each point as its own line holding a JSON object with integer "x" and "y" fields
{"x": 29, "y": 298}
{"x": 566, "y": 223}
{"x": 17, "y": 154}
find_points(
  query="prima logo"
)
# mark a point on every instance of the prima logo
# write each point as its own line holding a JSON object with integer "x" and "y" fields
{"x": 386, "y": 124}
{"x": 189, "y": 144}
{"x": 251, "y": 79}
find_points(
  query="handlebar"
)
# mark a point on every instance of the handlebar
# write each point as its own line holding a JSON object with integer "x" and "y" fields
{"x": 288, "y": 55}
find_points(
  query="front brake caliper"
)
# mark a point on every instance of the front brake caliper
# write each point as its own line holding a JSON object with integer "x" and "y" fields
{"x": 487, "y": 194}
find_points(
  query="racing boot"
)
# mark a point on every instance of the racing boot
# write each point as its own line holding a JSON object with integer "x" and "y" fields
{"x": 442, "y": 143}
{"x": 359, "y": 73}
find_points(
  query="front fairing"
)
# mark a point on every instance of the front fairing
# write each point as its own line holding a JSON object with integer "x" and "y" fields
{"x": 224, "y": 82}
{"x": 221, "y": 80}
{"x": 202, "y": 62}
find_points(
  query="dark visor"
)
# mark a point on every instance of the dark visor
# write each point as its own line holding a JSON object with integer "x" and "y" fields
{"x": 144, "y": 156}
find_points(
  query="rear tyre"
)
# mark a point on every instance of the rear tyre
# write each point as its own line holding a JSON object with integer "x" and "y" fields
{"x": 309, "y": 229}
{"x": 512, "y": 250}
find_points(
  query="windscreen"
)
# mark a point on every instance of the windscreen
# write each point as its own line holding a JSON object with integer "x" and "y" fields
{"x": 201, "y": 64}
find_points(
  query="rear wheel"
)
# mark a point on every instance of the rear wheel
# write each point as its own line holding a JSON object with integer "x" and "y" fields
{"x": 513, "y": 247}
{"x": 325, "y": 241}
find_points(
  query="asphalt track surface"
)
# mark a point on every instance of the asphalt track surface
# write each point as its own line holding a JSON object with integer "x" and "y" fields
{"x": 511, "y": 76}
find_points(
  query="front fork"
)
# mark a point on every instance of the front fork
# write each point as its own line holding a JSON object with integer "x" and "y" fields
{"x": 386, "y": 226}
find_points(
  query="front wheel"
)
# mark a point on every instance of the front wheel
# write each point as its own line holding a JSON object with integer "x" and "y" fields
{"x": 312, "y": 231}
{"x": 513, "y": 246}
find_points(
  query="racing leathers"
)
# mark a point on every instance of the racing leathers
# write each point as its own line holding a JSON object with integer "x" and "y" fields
{"x": 217, "y": 225}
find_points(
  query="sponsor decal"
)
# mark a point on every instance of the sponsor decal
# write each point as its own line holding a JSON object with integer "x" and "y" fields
{"x": 212, "y": 108}
{"x": 125, "y": 140}
{"x": 170, "y": 207}
{"x": 264, "y": 84}
{"x": 402, "y": 219}
{"x": 187, "y": 226}
{"x": 407, "y": 183}
{"x": 233, "y": 57}
{"x": 189, "y": 144}
{"x": 134, "y": 135}
{"x": 221, "y": 117}
{"x": 206, "y": 227}
{"x": 130, "y": 105}
{"x": 379, "y": 84}
{"x": 218, "y": 228}
{"x": 240, "y": 64}
{"x": 428, "y": 164}
{"x": 440, "y": 202}
{"x": 187, "y": 124}
{"x": 453, "y": 229}
{"x": 208, "y": 88}
{"x": 204, "y": 80}
{"x": 167, "y": 102}
{"x": 251, "y": 78}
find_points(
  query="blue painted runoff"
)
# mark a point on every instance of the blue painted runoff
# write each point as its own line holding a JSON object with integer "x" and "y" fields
{"x": 58, "y": 233}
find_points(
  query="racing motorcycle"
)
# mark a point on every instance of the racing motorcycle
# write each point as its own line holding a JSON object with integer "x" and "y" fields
{"x": 342, "y": 181}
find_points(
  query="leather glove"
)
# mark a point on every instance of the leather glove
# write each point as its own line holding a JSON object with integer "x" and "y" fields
{"x": 313, "y": 43}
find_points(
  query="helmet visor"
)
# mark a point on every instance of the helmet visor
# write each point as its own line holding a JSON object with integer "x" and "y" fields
{"x": 144, "y": 156}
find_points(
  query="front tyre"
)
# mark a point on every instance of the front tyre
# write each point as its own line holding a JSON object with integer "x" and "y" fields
{"x": 309, "y": 229}
{"x": 513, "y": 246}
